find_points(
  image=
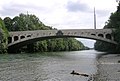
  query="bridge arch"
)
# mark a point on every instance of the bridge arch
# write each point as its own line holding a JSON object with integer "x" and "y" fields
{"x": 21, "y": 38}
{"x": 101, "y": 35}
{"x": 16, "y": 38}
{"x": 108, "y": 36}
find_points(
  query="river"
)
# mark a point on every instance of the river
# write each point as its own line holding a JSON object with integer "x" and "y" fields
{"x": 48, "y": 66}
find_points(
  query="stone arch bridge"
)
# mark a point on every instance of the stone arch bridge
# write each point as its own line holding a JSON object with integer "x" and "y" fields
{"x": 20, "y": 38}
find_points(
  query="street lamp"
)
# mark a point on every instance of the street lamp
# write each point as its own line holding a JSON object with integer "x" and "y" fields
{"x": 94, "y": 19}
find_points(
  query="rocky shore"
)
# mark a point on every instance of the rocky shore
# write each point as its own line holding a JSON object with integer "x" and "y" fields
{"x": 108, "y": 68}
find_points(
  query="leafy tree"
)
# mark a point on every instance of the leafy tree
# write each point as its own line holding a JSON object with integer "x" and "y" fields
{"x": 8, "y": 23}
{"x": 113, "y": 22}
{"x": 3, "y": 37}
{"x": 51, "y": 44}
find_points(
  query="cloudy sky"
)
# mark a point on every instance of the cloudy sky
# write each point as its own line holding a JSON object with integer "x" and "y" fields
{"x": 62, "y": 14}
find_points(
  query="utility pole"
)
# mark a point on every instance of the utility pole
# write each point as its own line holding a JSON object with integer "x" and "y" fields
{"x": 94, "y": 19}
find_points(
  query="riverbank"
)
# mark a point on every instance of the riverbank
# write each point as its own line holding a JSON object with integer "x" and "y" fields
{"x": 108, "y": 68}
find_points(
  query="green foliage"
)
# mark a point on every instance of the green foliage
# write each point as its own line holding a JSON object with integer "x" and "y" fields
{"x": 113, "y": 22}
{"x": 8, "y": 23}
{"x": 25, "y": 22}
{"x": 104, "y": 46}
{"x": 58, "y": 44}
{"x": 3, "y": 37}
{"x": 64, "y": 44}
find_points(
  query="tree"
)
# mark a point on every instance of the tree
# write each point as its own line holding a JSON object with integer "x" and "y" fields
{"x": 8, "y": 23}
{"x": 3, "y": 37}
{"x": 113, "y": 22}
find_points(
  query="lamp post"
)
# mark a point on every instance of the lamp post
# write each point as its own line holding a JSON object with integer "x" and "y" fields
{"x": 94, "y": 19}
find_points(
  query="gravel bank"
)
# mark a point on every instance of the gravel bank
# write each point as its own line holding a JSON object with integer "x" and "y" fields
{"x": 108, "y": 68}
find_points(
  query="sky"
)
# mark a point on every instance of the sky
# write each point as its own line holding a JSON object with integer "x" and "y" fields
{"x": 62, "y": 14}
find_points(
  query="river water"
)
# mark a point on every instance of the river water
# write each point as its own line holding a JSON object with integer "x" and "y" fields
{"x": 48, "y": 66}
